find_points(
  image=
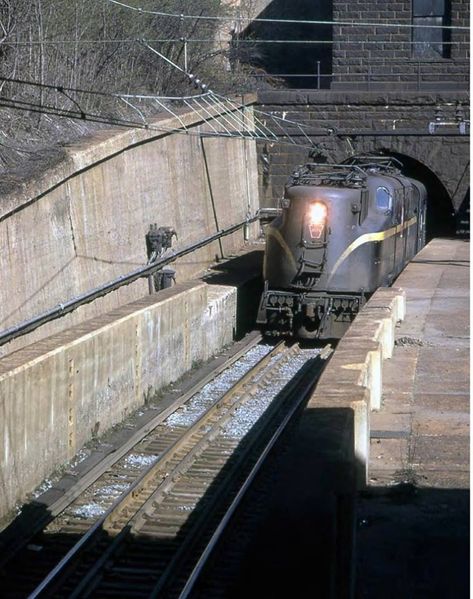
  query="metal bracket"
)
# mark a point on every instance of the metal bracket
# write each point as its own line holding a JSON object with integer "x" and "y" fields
{"x": 158, "y": 240}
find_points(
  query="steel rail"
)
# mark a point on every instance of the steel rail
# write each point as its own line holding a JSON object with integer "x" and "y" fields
{"x": 56, "y": 508}
{"x": 68, "y": 306}
{"x": 145, "y": 479}
{"x": 87, "y": 585}
{"x": 220, "y": 530}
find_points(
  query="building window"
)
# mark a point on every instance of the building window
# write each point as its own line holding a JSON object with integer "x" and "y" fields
{"x": 429, "y": 41}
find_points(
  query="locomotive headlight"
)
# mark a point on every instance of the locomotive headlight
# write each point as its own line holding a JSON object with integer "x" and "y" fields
{"x": 317, "y": 216}
{"x": 317, "y": 213}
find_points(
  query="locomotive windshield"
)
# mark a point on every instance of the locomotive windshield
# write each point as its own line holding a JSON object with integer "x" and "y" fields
{"x": 383, "y": 199}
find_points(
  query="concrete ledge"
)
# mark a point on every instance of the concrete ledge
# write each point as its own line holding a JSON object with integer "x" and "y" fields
{"x": 333, "y": 442}
{"x": 58, "y": 394}
{"x": 353, "y": 378}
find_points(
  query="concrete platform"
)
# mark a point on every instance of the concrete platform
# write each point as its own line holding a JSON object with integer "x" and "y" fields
{"x": 422, "y": 430}
{"x": 413, "y": 540}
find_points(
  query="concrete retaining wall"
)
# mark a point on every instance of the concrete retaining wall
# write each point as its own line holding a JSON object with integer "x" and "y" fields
{"x": 84, "y": 221}
{"x": 57, "y": 394}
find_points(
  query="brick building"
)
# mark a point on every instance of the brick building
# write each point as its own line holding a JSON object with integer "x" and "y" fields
{"x": 414, "y": 51}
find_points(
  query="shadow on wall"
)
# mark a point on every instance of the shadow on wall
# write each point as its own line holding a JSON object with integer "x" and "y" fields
{"x": 293, "y": 59}
{"x": 440, "y": 212}
{"x": 463, "y": 217}
{"x": 245, "y": 273}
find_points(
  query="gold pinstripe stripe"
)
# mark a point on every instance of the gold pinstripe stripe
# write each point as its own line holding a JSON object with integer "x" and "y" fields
{"x": 270, "y": 232}
{"x": 370, "y": 237}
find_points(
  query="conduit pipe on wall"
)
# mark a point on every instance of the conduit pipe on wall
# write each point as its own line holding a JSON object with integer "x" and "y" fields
{"x": 62, "y": 309}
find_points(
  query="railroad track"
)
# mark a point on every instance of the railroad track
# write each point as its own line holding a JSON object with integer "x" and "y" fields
{"x": 139, "y": 523}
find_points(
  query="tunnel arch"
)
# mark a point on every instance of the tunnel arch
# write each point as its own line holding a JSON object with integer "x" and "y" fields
{"x": 440, "y": 212}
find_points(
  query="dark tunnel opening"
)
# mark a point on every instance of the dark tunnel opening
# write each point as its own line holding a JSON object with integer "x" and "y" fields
{"x": 306, "y": 65}
{"x": 441, "y": 221}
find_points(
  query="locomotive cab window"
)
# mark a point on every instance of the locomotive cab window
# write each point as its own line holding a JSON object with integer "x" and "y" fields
{"x": 383, "y": 199}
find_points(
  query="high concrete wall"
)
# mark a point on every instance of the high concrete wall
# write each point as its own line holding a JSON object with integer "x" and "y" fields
{"x": 59, "y": 393}
{"x": 84, "y": 221}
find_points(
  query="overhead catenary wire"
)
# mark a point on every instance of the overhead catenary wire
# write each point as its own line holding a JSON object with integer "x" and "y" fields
{"x": 218, "y": 99}
{"x": 216, "y": 40}
{"x": 93, "y": 118}
{"x": 214, "y": 113}
{"x": 235, "y": 112}
{"x": 194, "y": 80}
{"x": 233, "y": 19}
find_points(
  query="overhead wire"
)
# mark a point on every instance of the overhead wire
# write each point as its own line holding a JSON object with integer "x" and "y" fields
{"x": 108, "y": 94}
{"x": 217, "y": 40}
{"x": 226, "y": 110}
{"x": 233, "y": 19}
{"x": 221, "y": 113}
{"x": 202, "y": 104}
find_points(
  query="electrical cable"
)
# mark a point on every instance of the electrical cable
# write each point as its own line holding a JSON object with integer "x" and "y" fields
{"x": 87, "y": 117}
{"x": 183, "y": 16}
{"x": 62, "y": 89}
{"x": 226, "y": 41}
{"x": 85, "y": 298}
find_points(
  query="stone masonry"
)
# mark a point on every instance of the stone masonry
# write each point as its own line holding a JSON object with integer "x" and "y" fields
{"x": 344, "y": 123}
{"x": 391, "y": 92}
{"x": 373, "y": 57}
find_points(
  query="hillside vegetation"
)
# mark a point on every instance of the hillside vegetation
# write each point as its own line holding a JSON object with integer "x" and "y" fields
{"x": 94, "y": 45}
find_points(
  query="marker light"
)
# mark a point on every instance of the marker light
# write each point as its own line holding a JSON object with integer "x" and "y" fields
{"x": 317, "y": 213}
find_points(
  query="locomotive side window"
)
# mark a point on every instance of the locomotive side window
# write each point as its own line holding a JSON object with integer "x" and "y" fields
{"x": 383, "y": 199}
{"x": 416, "y": 200}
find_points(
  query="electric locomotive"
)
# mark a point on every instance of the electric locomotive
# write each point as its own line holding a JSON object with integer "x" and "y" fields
{"x": 343, "y": 231}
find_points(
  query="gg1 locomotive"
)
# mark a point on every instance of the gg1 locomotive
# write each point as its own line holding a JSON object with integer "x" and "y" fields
{"x": 344, "y": 230}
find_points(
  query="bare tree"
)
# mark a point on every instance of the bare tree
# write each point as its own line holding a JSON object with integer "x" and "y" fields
{"x": 94, "y": 45}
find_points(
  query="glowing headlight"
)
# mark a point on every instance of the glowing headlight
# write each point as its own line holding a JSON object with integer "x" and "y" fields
{"x": 317, "y": 213}
{"x": 317, "y": 216}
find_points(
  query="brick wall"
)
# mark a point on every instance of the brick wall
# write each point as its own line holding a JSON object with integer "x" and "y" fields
{"x": 373, "y": 57}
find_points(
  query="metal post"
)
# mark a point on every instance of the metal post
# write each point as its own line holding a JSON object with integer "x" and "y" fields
{"x": 185, "y": 56}
{"x": 318, "y": 74}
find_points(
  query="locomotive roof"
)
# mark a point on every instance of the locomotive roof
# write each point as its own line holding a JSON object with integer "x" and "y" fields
{"x": 353, "y": 173}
